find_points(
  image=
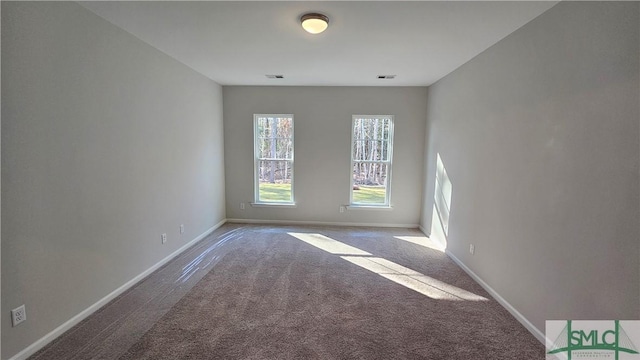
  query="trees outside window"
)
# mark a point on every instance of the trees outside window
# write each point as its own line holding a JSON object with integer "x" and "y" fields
{"x": 273, "y": 149}
{"x": 371, "y": 155}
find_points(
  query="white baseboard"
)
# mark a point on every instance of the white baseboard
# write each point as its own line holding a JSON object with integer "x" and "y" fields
{"x": 42, "y": 342}
{"x": 323, "y": 223}
{"x": 523, "y": 320}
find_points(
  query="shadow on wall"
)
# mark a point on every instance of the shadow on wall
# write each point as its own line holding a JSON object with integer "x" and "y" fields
{"x": 441, "y": 204}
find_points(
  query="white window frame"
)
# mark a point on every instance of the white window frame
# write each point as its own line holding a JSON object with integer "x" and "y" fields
{"x": 256, "y": 163}
{"x": 388, "y": 163}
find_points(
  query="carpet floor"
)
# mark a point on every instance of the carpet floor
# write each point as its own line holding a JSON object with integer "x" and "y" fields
{"x": 334, "y": 293}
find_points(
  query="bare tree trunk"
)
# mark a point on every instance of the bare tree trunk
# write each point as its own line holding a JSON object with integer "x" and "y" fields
{"x": 373, "y": 150}
{"x": 274, "y": 130}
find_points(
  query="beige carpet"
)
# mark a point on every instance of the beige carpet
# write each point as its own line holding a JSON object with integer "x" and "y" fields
{"x": 347, "y": 293}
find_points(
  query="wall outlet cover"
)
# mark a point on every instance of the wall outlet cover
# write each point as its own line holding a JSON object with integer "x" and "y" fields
{"x": 18, "y": 315}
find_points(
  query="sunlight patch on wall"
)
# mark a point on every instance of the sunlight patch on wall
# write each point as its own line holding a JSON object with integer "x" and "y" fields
{"x": 441, "y": 204}
{"x": 437, "y": 234}
{"x": 444, "y": 188}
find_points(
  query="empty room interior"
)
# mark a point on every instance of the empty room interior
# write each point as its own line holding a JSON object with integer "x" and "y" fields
{"x": 413, "y": 179}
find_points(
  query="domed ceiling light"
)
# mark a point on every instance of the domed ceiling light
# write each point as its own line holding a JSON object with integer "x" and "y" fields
{"x": 314, "y": 23}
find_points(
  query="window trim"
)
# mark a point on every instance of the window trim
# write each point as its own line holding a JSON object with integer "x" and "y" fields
{"x": 389, "y": 163}
{"x": 256, "y": 163}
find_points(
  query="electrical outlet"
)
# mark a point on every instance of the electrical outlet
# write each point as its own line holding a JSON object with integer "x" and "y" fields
{"x": 341, "y": 209}
{"x": 241, "y": 206}
{"x": 18, "y": 315}
{"x": 472, "y": 249}
{"x": 164, "y": 238}
{"x": 181, "y": 228}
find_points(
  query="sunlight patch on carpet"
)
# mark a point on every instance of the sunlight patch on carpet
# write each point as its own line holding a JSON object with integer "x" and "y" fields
{"x": 422, "y": 241}
{"x": 328, "y": 244}
{"x": 413, "y": 280}
{"x": 399, "y": 274}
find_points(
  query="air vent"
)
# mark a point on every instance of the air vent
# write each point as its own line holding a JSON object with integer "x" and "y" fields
{"x": 275, "y": 76}
{"x": 386, "y": 76}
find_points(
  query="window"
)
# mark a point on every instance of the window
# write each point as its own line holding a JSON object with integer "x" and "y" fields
{"x": 371, "y": 153}
{"x": 273, "y": 149}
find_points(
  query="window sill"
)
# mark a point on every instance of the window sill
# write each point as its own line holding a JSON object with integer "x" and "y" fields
{"x": 274, "y": 205}
{"x": 370, "y": 207}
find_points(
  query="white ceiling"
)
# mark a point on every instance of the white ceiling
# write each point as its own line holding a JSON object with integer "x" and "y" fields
{"x": 239, "y": 42}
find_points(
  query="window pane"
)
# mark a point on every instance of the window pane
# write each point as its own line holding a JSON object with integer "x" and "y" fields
{"x": 274, "y": 127}
{"x": 369, "y": 173}
{"x": 372, "y": 128}
{"x": 275, "y": 192}
{"x": 371, "y": 159}
{"x": 369, "y": 183}
{"x": 281, "y": 128}
{"x": 274, "y": 158}
{"x": 274, "y": 178}
{"x": 275, "y": 148}
{"x": 370, "y": 150}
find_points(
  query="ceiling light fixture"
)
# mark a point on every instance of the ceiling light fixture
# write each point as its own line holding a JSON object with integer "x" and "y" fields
{"x": 314, "y": 23}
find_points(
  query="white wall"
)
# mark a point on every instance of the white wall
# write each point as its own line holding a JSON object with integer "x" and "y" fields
{"x": 106, "y": 144}
{"x": 0, "y": 188}
{"x": 540, "y": 138}
{"x": 322, "y": 125}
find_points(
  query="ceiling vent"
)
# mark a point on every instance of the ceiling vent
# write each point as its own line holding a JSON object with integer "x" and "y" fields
{"x": 386, "y": 76}
{"x": 275, "y": 76}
